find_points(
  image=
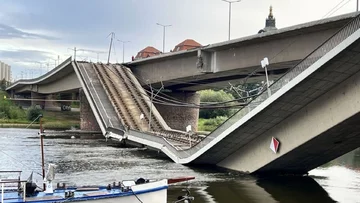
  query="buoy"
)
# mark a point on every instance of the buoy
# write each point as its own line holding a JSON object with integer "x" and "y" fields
{"x": 73, "y": 137}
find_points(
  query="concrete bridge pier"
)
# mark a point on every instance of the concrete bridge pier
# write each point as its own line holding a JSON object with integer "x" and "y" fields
{"x": 180, "y": 117}
{"x": 65, "y": 96}
{"x": 51, "y": 105}
{"x": 87, "y": 119}
{"x": 38, "y": 99}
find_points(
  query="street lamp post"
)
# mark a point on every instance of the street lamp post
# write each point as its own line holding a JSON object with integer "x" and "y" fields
{"x": 40, "y": 63}
{"x": 74, "y": 49}
{"x": 112, "y": 34}
{"x": 123, "y": 44}
{"x": 164, "y": 26}
{"x": 93, "y": 51}
{"x": 230, "y": 2}
{"x": 264, "y": 64}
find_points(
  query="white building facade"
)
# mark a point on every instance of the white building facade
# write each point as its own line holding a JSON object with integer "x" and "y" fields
{"x": 5, "y": 71}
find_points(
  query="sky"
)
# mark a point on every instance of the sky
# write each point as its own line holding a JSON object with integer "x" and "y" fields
{"x": 35, "y": 34}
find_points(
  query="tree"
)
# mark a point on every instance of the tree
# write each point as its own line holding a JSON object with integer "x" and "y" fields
{"x": 3, "y": 84}
{"x": 215, "y": 96}
{"x": 33, "y": 113}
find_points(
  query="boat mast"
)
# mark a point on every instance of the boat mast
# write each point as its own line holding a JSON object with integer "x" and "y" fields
{"x": 42, "y": 151}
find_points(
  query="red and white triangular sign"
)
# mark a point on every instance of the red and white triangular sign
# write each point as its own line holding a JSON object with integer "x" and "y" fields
{"x": 274, "y": 145}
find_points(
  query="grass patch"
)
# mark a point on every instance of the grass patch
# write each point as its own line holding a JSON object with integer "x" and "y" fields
{"x": 211, "y": 123}
{"x": 12, "y": 115}
{"x": 16, "y": 121}
{"x": 61, "y": 119}
{"x": 54, "y": 120}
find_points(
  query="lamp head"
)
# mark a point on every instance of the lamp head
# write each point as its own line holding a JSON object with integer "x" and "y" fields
{"x": 264, "y": 62}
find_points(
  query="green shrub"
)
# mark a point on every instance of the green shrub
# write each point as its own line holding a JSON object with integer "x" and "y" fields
{"x": 13, "y": 113}
{"x": 207, "y": 96}
{"x": 8, "y": 110}
{"x": 33, "y": 113}
{"x": 4, "y": 106}
{"x": 4, "y": 110}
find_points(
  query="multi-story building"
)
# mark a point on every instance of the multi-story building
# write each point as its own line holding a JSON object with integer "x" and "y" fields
{"x": 5, "y": 72}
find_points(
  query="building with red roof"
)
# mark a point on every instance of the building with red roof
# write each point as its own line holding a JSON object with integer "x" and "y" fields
{"x": 187, "y": 44}
{"x": 147, "y": 52}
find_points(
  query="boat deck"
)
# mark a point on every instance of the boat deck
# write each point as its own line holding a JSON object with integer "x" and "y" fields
{"x": 79, "y": 194}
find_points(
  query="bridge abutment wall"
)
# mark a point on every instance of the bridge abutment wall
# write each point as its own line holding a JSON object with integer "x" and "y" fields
{"x": 180, "y": 117}
{"x": 87, "y": 119}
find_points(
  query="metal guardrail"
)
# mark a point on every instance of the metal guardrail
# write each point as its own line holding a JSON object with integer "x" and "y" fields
{"x": 42, "y": 77}
{"x": 109, "y": 123}
{"x": 20, "y": 185}
{"x": 76, "y": 65}
{"x": 107, "y": 120}
{"x": 99, "y": 105}
{"x": 314, "y": 56}
{"x": 22, "y": 188}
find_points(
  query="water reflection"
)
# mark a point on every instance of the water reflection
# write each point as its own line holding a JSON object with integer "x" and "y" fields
{"x": 284, "y": 189}
{"x": 295, "y": 189}
{"x": 341, "y": 177}
{"x": 93, "y": 162}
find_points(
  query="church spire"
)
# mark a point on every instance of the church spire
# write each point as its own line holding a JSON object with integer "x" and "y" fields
{"x": 270, "y": 22}
{"x": 271, "y": 14}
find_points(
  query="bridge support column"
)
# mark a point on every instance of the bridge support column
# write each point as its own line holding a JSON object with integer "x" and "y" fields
{"x": 180, "y": 117}
{"x": 51, "y": 105}
{"x": 87, "y": 119}
{"x": 12, "y": 94}
{"x": 38, "y": 99}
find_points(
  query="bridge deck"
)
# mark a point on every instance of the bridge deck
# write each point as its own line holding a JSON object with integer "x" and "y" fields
{"x": 120, "y": 100}
{"x": 97, "y": 95}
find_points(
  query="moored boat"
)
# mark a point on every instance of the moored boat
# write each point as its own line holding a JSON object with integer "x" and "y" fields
{"x": 15, "y": 190}
{"x": 130, "y": 191}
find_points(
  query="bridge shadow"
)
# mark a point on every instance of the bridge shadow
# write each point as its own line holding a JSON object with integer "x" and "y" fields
{"x": 249, "y": 189}
{"x": 294, "y": 189}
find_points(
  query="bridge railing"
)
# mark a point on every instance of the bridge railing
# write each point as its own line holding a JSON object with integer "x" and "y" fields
{"x": 106, "y": 122}
{"x": 41, "y": 77}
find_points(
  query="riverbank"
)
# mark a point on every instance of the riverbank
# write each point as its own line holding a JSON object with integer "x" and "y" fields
{"x": 52, "y": 120}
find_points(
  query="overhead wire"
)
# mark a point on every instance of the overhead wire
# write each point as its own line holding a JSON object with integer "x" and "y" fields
{"x": 204, "y": 105}
{"x": 136, "y": 85}
{"x": 193, "y": 105}
{"x": 339, "y": 8}
{"x": 180, "y": 104}
{"x": 17, "y": 161}
{"x": 328, "y": 13}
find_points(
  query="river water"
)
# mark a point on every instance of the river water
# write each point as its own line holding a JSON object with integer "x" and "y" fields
{"x": 94, "y": 162}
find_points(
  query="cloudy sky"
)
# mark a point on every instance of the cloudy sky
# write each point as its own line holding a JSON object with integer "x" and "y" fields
{"x": 38, "y": 31}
